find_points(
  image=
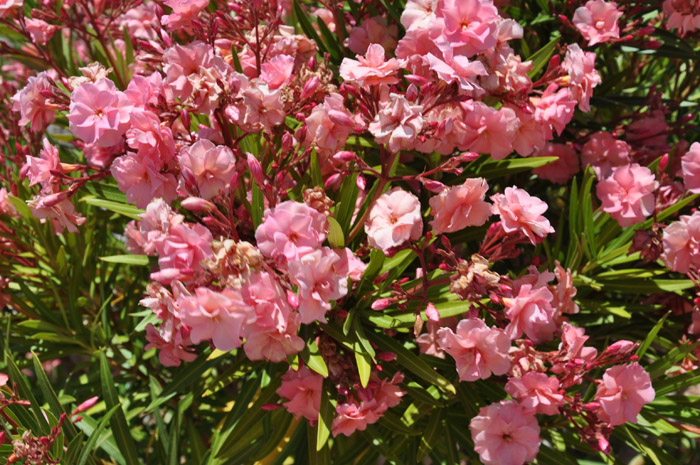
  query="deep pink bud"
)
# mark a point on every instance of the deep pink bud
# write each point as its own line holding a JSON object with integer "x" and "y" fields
{"x": 412, "y": 93}
{"x": 340, "y": 117}
{"x": 663, "y": 163}
{"x": 432, "y": 313}
{"x": 310, "y": 87}
{"x": 345, "y": 156}
{"x": 619, "y": 347}
{"x": 331, "y": 180}
{"x": 433, "y": 186}
{"x": 185, "y": 117}
{"x": 381, "y": 304}
{"x": 386, "y": 356}
{"x": 269, "y": 407}
{"x": 85, "y": 406}
{"x": 255, "y": 169}
{"x": 197, "y": 204}
{"x": 416, "y": 79}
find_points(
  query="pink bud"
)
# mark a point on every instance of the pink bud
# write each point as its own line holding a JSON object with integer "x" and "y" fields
{"x": 432, "y": 313}
{"x": 433, "y": 186}
{"x": 381, "y": 304}
{"x": 416, "y": 79}
{"x": 55, "y": 199}
{"x": 345, "y": 156}
{"x": 340, "y": 118}
{"x": 287, "y": 141}
{"x": 412, "y": 92}
{"x": 197, "y": 204}
{"x": 292, "y": 300}
{"x": 361, "y": 183}
{"x": 386, "y": 356}
{"x": 619, "y": 347}
{"x": 185, "y": 116}
{"x": 85, "y": 406}
{"x": 255, "y": 169}
{"x": 269, "y": 407}
{"x": 467, "y": 156}
{"x": 331, "y": 180}
{"x": 310, "y": 87}
{"x": 663, "y": 163}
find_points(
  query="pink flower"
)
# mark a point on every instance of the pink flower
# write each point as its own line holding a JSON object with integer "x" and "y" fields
{"x": 504, "y": 434}
{"x": 142, "y": 180}
{"x": 353, "y": 417}
{"x": 6, "y": 207}
{"x": 291, "y": 230}
{"x": 565, "y": 291}
{"x": 477, "y": 349}
{"x": 99, "y": 113}
{"x": 460, "y": 206}
{"x": 194, "y": 75}
{"x": 372, "y": 69}
{"x": 181, "y": 253}
{"x": 555, "y": 107}
{"x": 211, "y": 165}
{"x": 628, "y": 194}
{"x": 39, "y": 30}
{"x": 34, "y": 107}
{"x": 322, "y": 276}
{"x": 150, "y": 138}
{"x": 278, "y": 71}
{"x": 470, "y": 25}
{"x": 184, "y": 11}
{"x": 418, "y": 14}
{"x": 520, "y": 211}
{"x": 625, "y": 389}
{"x": 7, "y": 7}
{"x": 156, "y": 224}
{"x": 39, "y": 169}
{"x": 215, "y": 316}
{"x": 397, "y": 124}
{"x": 531, "y": 312}
{"x": 457, "y": 68}
{"x": 597, "y": 21}
{"x": 489, "y": 130}
{"x": 372, "y": 31}
{"x": 682, "y": 15}
{"x": 144, "y": 90}
{"x": 394, "y": 219}
{"x": 61, "y": 214}
{"x": 99, "y": 157}
{"x": 537, "y": 393}
{"x": 690, "y": 162}
{"x": 563, "y": 168}
{"x": 604, "y": 152}
{"x": 171, "y": 345}
{"x": 583, "y": 76}
{"x": 302, "y": 389}
{"x": 329, "y": 124}
{"x": 572, "y": 353}
{"x": 260, "y": 108}
{"x": 682, "y": 243}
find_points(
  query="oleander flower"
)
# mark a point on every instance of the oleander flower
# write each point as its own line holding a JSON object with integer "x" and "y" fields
{"x": 604, "y": 152}
{"x": 690, "y": 163}
{"x": 40, "y": 31}
{"x": 397, "y": 124}
{"x": 394, "y": 219}
{"x": 537, "y": 393}
{"x": 624, "y": 390}
{"x": 628, "y": 194}
{"x": 682, "y": 243}
{"x": 302, "y": 389}
{"x": 597, "y": 21}
{"x": 522, "y": 212}
{"x": 504, "y": 434}
{"x": 34, "y": 107}
{"x": 371, "y": 69}
{"x": 563, "y": 168}
{"x": 211, "y": 166}
{"x": 460, "y": 206}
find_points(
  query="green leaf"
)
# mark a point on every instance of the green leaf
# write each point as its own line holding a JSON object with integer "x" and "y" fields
{"x": 121, "y": 208}
{"x": 257, "y": 205}
{"x": 118, "y": 424}
{"x": 336, "y": 237}
{"x": 325, "y": 418}
{"x": 345, "y": 206}
{"x": 651, "y": 336}
{"x": 306, "y": 26}
{"x": 364, "y": 364}
{"x": 51, "y": 398}
{"x": 314, "y": 360}
{"x": 430, "y": 435}
{"x": 89, "y": 446}
{"x": 316, "y": 176}
{"x": 541, "y": 57}
{"x": 334, "y": 48}
{"x": 489, "y": 168}
{"x": 138, "y": 260}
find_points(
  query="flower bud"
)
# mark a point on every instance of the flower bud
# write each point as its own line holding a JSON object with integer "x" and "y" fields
{"x": 381, "y": 304}
{"x": 197, "y": 204}
{"x": 310, "y": 87}
{"x": 255, "y": 169}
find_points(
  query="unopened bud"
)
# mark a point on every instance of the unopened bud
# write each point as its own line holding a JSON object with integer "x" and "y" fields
{"x": 255, "y": 169}
{"x": 381, "y": 304}
{"x": 310, "y": 87}
{"x": 85, "y": 406}
{"x": 197, "y": 204}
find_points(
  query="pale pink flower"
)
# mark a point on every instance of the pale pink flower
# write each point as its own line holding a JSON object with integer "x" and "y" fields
{"x": 302, "y": 389}
{"x": 211, "y": 166}
{"x": 144, "y": 90}
{"x": 260, "y": 108}
{"x": 477, "y": 349}
{"x": 99, "y": 157}
{"x": 625, "y": 389}
{"x": 572, "y": 352}
{"x": 628, "y": 194}
{"x": 555, "y": 107}
{"x": 457, "y": 68}
{"x": 682, "y": 15}
{"x": 504, "y": 434}
{"x": 418, "y": 14}
{"x": 372, "y": 69}
{"x": 291, "y": 230}
{"x": 184, "y": 11}
{"x": 387, "y": 392}
{"x": 6, "y": 207}
{"x": 397, "y": 124}
{"x": 353, "y": 417}
{"x": 194, "y": 75}
{"x": 142, "y": 180}
{"x": 321, "y": 276}
{"x": 682, "y": 243}
{"x": 61, "y": 214}
{"x": 139, "y": 21}
{"x": 7, "y": 7}
{"x": 156, "y": 224}
{"x": 508, "y": 72}
{"x": 564, "y": 291}
{"x": 597, "y": 21}
{"x": 39, "y": 168}
{"x": 583, "y": 77}
{"x": 329, "y": 124}
{"x": 530, "y": 311}
{"x": 99, "y": 113}
{"x": 520, "y": 211}
{"x": 460, "y": 206}
{"x": 149, "y": 138}
{"x": 278, "y": 71}
{"x": 563, "y": 168}
{"x": 532, "y": 134}
{"x": 372, "y": 31}
{"x": 171, "y": 344}
{"x": 537, "y": 393}
{"x": 34, "y": 107}
{"x": 394, "y": 219}
{"x": 470, "y": 25}
{"x": 690, "y": 162}
{"x": 489, "y": 130}
{"x": 273, "y": 344}
{"x": 39, "y": 30}
{"x": 215, "y": 316}
{"x": 181, "y": 253}
{"x": 604, "y": 152}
